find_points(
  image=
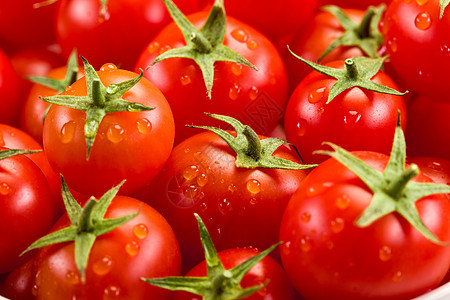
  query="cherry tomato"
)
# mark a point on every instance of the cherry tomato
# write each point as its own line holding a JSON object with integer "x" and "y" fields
{"x": 360, "y": 4}
{"x": 10, "y": 93}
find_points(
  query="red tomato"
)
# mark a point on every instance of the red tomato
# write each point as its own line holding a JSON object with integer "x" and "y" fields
{"x": 18, "y": 285}
{"x": 427, "y": 131}
{"x": 239, "y": 206}
{"x": 437, "y": 169}
{"x": 413, "y": 32}
{"x": 128, "y": 145}
{"x": 145, "y": 246}
{"x": 356, "y": 119}
{"x": 10, "y": 93}
{"x": 27, "y": 210}
{"x": 361, "y": 4}
{"x": 266, "y": 271}
{"x": 327, "y": 257}
{"x": 120, "y": 35}
{"x": 256, "y": 98}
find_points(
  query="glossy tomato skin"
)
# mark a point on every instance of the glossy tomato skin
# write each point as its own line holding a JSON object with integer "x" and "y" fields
{"x": 240, "y": 207}
{"x": 18, "y": 284}
{"x": 327, "y": 257}
{"x": 427, "y": 132}
{"x": 10, "y": 95}
{"x": 408, "y": 26}
{"x": 356, "y": 119}
{"x": 128, "y": 145}
{"x": 27, "y": 210}
{"x": 256, "y": 98}
{"x": 143, "y": 247}
{"x": 118, "y": 37}
{"x": 360, "y": 4}
{"x": 438, "y": 169}
{"x": 266, "y": 271}
{"x": 313, "y": 39}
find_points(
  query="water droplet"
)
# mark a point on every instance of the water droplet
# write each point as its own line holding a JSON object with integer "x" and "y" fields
{"x": 190, "y": 172}
{"x": 153, "y": 47}
{"x": 224, "y": 206}
{"x": 5, "y": 189}
{"x": 421, "y": 2}
{"x": 337, "y": 225}
{"x": 185, "y": 79}
{"x": 352, "y": 117}
{"x": 392, "y": 44}
{"x": 34, "y": 290}
{"x": 316, "y": 95}
{"x": 190, "y": 192}
{"x": 423, "y": 21}
{"x": 305, "y": 243}
{"x": 240, "y": 35}
{"x": 305, "y": 217}
{"x": 253, "y": 186}
{"x": 236, "y": 69}
{"x": 222, "y": 181}
{"x": 112, "y": 89}
{"x": 108, "y": 67}
{"x": 187, "y": 150}
{"x": 445, "y": 49}
{"x": 203, "y": 206}
{"x": 132, "y": 248}
{"x": 115, "y": 133}
{"x": 68, "y": 132}
{"x": 103, "y": 16}
{"x": 164, "y": 49}
{"x": 343, "y": 201}
{"x": 301, "y": 127}
{"x": 232, "y": 188}
{"x": 385, "y": 253}
{"x": 140, "y": 231}
{"x": 144, "y": 126}
{"x": 73, "y": 277}
{"x": 317, "y": 188}
{"x": 103, "y": 265}
{"x": 252, "y": 45}
{"x": 254, "y": 92}
{"x": 321, "y": 109}
{"x": 253, "y": 201}
{"x": 202, "y": 179}
{"x": 111, "y": 291}
{"x": 397, "y": 276}
{"x": 234, "y": 92}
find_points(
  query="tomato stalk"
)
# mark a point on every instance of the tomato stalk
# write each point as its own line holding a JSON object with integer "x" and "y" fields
{"x": 252, "y": 152}
{"x": 13, "y": 152}
{"x": 443, "y": 4}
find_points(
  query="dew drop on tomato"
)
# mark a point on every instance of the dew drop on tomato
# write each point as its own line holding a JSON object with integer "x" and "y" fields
{"x": 337, "y": 225}
{"x": 305, "y": 217}
{"x": 253, "y": 186}
{"x": 115, "y": 133}
{"x": 67, "y": 132}
{"x": 253, "y": 201}
{"x": 185, "y": 80}
{"x": 103, "y": 265}
{"x": 385, "y": 253}
{"x": 421, "y": 2}
{"x": 190, "y": 172}
{"x": 144, "y": 126}
{"x": 73, "y": 277}
{"x": 224, "y": 206}
{"x": 108, "y": 67}
{"x": 252, "y": 45}
{"x": 316, "y": 95}
{"x": 305, "y": 243}
{"x": 300, "y": 129}
{"x": 236, "y": 69}
{"x": 132, "y": 248}
{"x": 234, "y": 92}
{"x": 202, "y": 180}
{"x": 343, "y": 201}
{"x": 392, "y": 45}
{"x": 423, "y": 21}
{"x": 140, "y": 231}
{"x": 254, "y": 92}
{"x": 153, "y": 47}
{"x": 240, "y": 35}
{"x": 397, "y": 276}
{"x": 5, "y": 189}
{"x": 111, "y": 292}
{"x": 232, "y": 188}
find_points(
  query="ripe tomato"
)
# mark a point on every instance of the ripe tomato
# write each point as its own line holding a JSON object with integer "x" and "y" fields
{"x": 128, "y": 145}
{"x": 119, "y": 35}
{"x": 361, "y": 4}
{"x": 27, "y": 210}
{"x": 256, "y": 98}
{"x": 356, "y": 119}
{"x": 414, "y": 32}
{"x": 18, "y": 284}
{"x": 145, "y": 246}
{"x": 10, "y": 95}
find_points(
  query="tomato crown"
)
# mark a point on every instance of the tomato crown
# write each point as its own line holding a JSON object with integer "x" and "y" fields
{"x": 251, "y": 151}
{"x": 204, "y": 46}
{"x": 364, "y": 35}
{"x": 358, "y": 71}
{"x": 393, "y": 190}
{"x": 100, "y": 100}
{"x": 443, "y": 4}
{"x": 87, "y": 224}
{"x": 6, "y": 153}
{"x": 219, "y": 283}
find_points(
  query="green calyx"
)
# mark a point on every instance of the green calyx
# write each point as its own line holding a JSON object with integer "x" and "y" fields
{"x": 364, "y": 35}
{"x": 100, "y": 100}
{"x": 220, "y": 284}
{"x": 87, "y": 224}
{"x": 443, "y": 4}
{"x": 357, "y": 72}
{"x": 251, "y": 151}
{"x": 7, "y": 153}
{"x": 204, "y": 46}
{"x": 393, "y": 190}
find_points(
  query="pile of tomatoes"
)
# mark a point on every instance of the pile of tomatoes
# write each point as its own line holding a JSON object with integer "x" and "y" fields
{"x": 154, "y": 149}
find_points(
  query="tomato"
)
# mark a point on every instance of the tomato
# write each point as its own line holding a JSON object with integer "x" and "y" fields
{"x": 145, "y": 246}
{"x": 414, "y": 32}
{"x": 256, "y": 98}
{"x": 356, "y": 119}
{"x": 427, "y": 133}
{"x": 9, "y": 91}
{"x": 27, "y": 210}
{"x": 128, "y": 145}
{"x": 119, "y": 35}
{"x": 265, "y": 271}
{"x": 327, "y": 257}
{"x": 437, "y": 169}
{"x": 18, "y": 284}
{"x": 360, "y": 4}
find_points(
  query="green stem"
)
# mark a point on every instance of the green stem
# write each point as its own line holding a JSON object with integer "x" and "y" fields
{"x": 364, "y": 27}
{"x": 350, "y": 68}
{"x": 254, "y": 143}
{"x": 85, "y": 221}
{"x": 97, "y": 95}
{"x": 397, "y": 186}
{"x": 200, "y": 43}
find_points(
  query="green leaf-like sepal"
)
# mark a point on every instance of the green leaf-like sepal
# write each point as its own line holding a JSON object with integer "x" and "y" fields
{"x": 6, "y": 153}
{"x": 393, "y": 190}
{"x": 358, "y": 71}
{"x": 100, "y": 100}
{"x": 204, "y": 46}
{"x": 364, "y": 35}
{"x": 87, "y": 224}
{"x": 443, "y": 4}
{"x": 219, "y": 283}
{"x": 251, "y": 151}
